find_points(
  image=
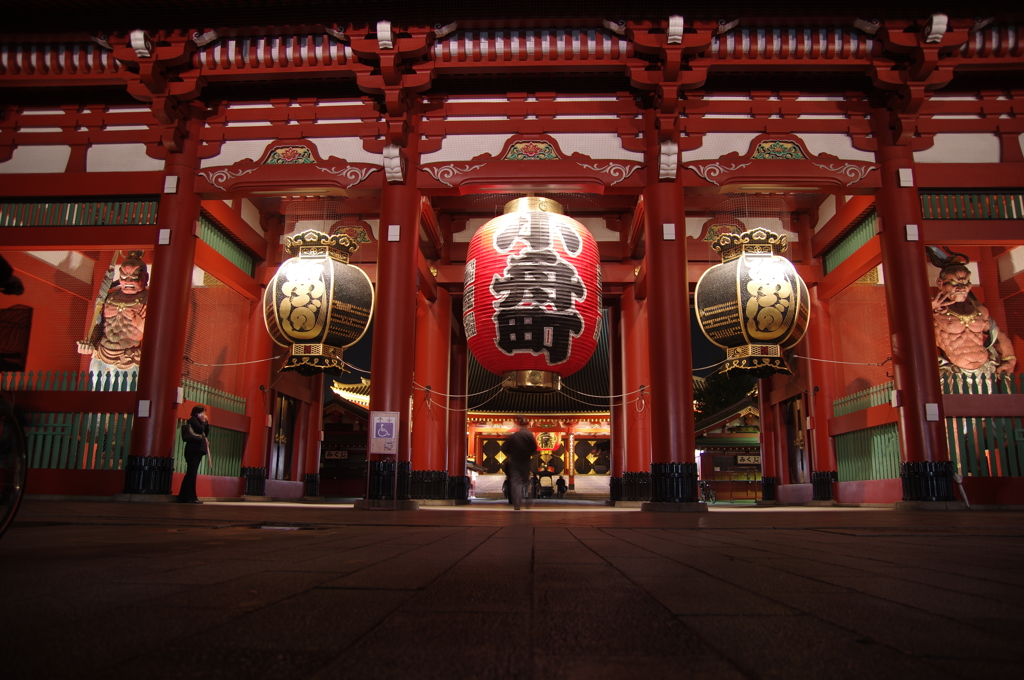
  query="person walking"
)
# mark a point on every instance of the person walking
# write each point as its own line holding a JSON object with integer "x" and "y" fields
{"x": 194, "y": 432}
{"x": 560, "y": 485}
{"x": 519, "y": 449}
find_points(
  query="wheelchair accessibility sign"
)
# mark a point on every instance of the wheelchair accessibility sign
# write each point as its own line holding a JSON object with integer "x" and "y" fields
{"x": 384, "y": 432}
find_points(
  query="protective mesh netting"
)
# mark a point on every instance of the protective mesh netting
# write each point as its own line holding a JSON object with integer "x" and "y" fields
{"x": 860, "y": 334}
{"x": 218, "y": 320}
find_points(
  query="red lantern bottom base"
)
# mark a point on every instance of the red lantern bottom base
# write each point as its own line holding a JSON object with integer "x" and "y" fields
{"x": 761, "y": 360}
{"x": 531, "y": 381}
{"x": 313, "y": 359}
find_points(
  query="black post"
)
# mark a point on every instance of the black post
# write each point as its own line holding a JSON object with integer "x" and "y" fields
{"x": 255, "y": 481}
{"x": 148, "y": 475}
{"x": 927, "y": 481}
{"x": 821, "y": 484}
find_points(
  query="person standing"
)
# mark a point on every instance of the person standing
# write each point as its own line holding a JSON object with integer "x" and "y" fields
{"x": 519, "y": 449}
{"x": 194, "y": 433}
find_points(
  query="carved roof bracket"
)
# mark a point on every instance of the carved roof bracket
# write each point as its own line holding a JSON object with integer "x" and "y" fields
{"x": 158, "y": 72}
{"x": 920, "y": 64}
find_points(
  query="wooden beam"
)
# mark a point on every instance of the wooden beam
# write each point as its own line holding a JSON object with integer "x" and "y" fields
{"x": 969, "y": 175}
{"x": 74, "y": 402}
{"x": 218, "y": 417}
{"x": 83, "y": 184}
{"x": 425, "y": 278}
{"x": 640, "y": 289}
{"x": 983, "y": 405}
{"x": 636, "y": 227}
{"x": 233, "y": 223}
{"x": 218, "y": 266}
{"x": 844, "y": 217}
{"x": 867, "y": 257}
{"x": 862, "y": 420}
{"x": 973, "y": 232}
{"x": 430, "y": 228}
{"x": 79, "y": 238}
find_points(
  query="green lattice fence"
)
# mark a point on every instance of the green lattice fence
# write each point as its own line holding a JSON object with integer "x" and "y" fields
{"x": 78, "y": 213}
{"x": 856, "y": 237}
{"x": 972, "y": 206}
{"x": 214, "y": 237}
{"x": 75, "y": 441}
{"x": 871, "y": 453}
{"x": 985, "y": 447}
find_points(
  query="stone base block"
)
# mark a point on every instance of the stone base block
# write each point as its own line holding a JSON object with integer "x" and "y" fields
{"x": 674, "y": 507}
{"x": 437, "y": 502}
{"x": 144, "y": 498}
{"x": 929, "y": 505}
{"x": 767, "y": 504}
{"x": 361, "y": 504}
{"x": 625, "y": 504}
{"x": 820, "y": 504}
{"x": 259, "y": 499}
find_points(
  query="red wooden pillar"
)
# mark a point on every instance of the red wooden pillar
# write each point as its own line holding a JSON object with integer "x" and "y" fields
{"x": 636, "y": 382}
{"x": 259, "y": 374}
{"x": 769, "y": 441}
{"x": 430, "y": 401}
{"x": 668, "y": 300}
{"x": 163, "y": 345}
{"x": 908, "y": 302}
{"x": 314, "y": 427}
{"x": 393, "y": 350}
{"x": 819, "y": 376}
{"x": 458, "y": 374}
{"x": 616, "y": 458}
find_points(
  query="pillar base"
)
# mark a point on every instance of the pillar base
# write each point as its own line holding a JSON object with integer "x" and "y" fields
{"x": 767, "y": 504}
{"x": 450, "y": 502}
{"x": 625, "y": 504}
{"x": 361, "y": 504}
{"x": 820, "y": 504}
{"x": 149, "y": 475}
{"x": 144, "y": 498}
{"x": 259, "y": 499}
{"x": 929, "y": 505}
{"x": 674, "y": 507}
{"x": 822, "y": 484}
{"x": 930, "y": 481}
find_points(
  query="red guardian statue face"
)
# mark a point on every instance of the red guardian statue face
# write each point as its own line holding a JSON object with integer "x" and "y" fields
{"x": 956, "y": 284}
{"x": 133, "y": 278}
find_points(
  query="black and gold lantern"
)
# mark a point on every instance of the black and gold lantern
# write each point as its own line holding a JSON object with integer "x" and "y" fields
{"x": 317, "y": 303}
{"x": 753, "y": 304}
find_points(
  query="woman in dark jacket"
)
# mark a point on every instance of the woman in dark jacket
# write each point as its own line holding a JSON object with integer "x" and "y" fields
{"x": 194, "y": 432}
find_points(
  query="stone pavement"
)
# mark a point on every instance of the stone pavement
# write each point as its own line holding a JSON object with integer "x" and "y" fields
{"x": 246, "y": 590}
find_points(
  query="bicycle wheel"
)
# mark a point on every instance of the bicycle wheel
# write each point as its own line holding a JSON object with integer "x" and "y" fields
{"x": 13, "y": 465}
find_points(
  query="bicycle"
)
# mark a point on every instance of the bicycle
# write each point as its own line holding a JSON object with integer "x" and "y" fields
{"x": 13, "y": 452}
{"x": 13, "y": 464}
{"x": 707, "y": 494}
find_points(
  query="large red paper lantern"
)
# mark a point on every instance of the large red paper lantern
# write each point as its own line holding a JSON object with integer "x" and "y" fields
{"x": 532, "y": 305}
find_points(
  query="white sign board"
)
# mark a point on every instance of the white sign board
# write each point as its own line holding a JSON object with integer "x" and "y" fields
{"x": 384, "y": 432}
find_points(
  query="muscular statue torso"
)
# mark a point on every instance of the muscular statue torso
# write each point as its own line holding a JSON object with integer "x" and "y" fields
{"x": 962, "y": 332}
{"x": 124, "y": 321}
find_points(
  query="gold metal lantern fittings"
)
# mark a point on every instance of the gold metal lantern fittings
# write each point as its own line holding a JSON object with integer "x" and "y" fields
{"x": 753, "y": 304}
{"x": 317, "y": 303}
